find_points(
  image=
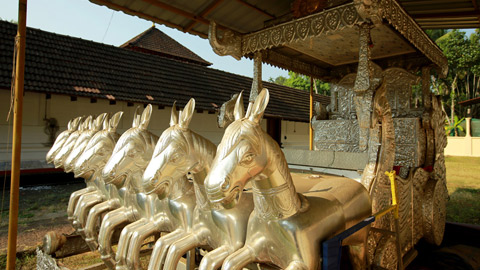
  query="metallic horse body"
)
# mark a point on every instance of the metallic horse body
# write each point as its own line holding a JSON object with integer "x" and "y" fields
{"x": 91, "y": 162}
{"x": 286, "y": 229}
{"x": 171, "y": 205}
{"x": 124, "y": 170}
{"x": 223, "y": 230}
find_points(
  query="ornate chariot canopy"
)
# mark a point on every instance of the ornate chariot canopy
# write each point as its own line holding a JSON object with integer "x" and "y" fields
{"x": 316, "y": 38}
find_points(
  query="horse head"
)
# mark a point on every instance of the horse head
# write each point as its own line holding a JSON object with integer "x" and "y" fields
{"x": 132, "y": 153}
{"x": 241, "y": 155}
{"x": 62, "y": 137}
{"x": 99, "y": 149}
{"x": 67, "y": 147}
{"x": 82, "y": 141}
{"x": 175, "y": 154}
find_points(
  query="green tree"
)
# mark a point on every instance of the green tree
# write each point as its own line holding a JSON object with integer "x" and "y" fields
{"x": 302, "y": 82}
{"x": 462, "y": 81}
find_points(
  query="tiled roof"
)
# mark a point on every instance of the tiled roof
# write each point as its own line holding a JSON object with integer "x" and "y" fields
{"x": 154, "y": 41}
{"x": 59, "y": 64}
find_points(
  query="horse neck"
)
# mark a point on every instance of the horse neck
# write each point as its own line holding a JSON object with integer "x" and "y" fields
{"x": 274, "y": 194}
{"x": 204, "y": 151}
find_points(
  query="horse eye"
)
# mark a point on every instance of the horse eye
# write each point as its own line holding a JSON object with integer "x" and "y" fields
{"x": 176, "y": 158}
{"x": 247, "y": 159}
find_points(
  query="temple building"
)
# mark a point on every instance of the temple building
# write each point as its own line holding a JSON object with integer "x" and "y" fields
{"x": 66, "y": 77}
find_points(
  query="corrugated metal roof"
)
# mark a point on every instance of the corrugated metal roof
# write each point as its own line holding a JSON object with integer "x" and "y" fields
{"x": 444, "y": 14}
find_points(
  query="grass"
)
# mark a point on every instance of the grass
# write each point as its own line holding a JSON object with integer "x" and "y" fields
{"x": 463, "y": 183}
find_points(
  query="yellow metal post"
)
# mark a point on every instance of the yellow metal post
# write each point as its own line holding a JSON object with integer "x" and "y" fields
{"x": 393, "y": 187}
{"x": 17, "y": 134}
{"x": 310, "y": 128}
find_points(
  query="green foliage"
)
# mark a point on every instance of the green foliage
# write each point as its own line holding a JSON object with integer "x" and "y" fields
{"x": 454, "y": 127}
{"x": 302, "y": 82}
{"x": 463, "y": 79}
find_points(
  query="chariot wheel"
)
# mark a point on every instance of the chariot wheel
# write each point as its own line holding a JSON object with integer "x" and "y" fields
{"x": 434, "y": 211}
{"x": 385, "y": 256}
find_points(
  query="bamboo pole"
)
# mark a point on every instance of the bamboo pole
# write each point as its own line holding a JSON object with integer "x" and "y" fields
{"x": 17, "y": 134}
{"x": 310, "y": 128}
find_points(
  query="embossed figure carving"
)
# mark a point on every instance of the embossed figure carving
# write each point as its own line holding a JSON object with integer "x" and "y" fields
{"x": 124, "y": 169}
{"x": 169, "y": 190}
{"x": 90, "y": 165}
{"x": 229, "y": 44}
{"x": 223, "y": 230}
{"x": 286, "y": 228}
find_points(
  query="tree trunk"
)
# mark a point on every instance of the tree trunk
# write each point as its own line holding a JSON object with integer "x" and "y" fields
{"x": 452, "y": 105}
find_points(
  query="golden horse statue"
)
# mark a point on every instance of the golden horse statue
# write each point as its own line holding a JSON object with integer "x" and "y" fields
{"x": 89, "y": 166}
{"x": 171, "y": 203}
{"x": 223, "y": 230}
{"x": 62, "y": 138}
{"x": 124, "y": 170}
{"x": 285, "y": 229}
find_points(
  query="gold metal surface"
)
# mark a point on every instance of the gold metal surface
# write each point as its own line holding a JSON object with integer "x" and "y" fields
{"x": 223, "y": 230}
{"x": 123, "y": 171}
{"x": 281, "y": 230}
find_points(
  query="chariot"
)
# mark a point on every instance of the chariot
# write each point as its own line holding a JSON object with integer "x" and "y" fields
{"x": 382, "y": 117}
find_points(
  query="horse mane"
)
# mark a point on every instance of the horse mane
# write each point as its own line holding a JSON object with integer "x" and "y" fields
{"x": 237, "y": 131}
{"x": 187, "y": 139}
{"x": 146, "y": 136}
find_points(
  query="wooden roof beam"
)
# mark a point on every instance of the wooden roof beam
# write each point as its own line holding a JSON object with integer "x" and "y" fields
{"x": 245, "y": 3}
{"x": 145, "y": 16}
{"x": 204, "y": 13}
{"x": 446, "y": 15}
{"x": 178, "y": 11}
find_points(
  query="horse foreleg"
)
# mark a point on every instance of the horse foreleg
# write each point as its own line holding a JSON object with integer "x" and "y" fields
{"x": 123, "y": 243}
{"x": 83, "y": 201}
{"x": 93, "y": 216}
{"x": 135, "y": 244}
{"x": 111, "y": 221}
{"x": 180, "y": 247}
{"x": 214, "y": 259}
{"x": 82, "y": 216}
{"x": 72, "y": 202}
{"x": 161, "y": 248}
{"x": 239, "y": 259}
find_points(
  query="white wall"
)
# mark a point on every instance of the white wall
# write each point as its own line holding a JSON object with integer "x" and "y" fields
{"x": 295, "y": 135}
{"x": 36, "y": 107}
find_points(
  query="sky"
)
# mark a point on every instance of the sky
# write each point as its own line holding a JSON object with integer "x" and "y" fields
{"x": 83, "y": 19}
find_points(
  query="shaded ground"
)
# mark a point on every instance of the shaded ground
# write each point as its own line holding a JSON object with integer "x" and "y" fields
{"x": 41, "y": 209}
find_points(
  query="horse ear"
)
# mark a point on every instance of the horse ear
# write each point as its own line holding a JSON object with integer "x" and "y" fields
{"x": 115, "y": 120}
{"x": 86, "y": 123}
{"x": 258, "y": 108}
{"x": 239, "y": 110}
{"x": 106, "y": 122}
{"x": 147, "y": 113}
{"x": 98, "y": 123}
{"x": 187, "y": 114}
{"x": 69, "y": 124}
{"x": 136, "y": 117}
{"x": 174, "y": 115}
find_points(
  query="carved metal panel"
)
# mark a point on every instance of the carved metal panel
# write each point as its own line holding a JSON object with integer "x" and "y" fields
{"x": 410, "y": 142}
{"x": 336, "y": 135}
{"x": 399, "y": 90}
